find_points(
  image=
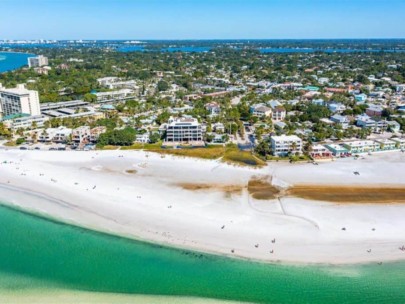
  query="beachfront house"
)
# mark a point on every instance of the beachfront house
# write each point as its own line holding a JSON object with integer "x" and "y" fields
{"x": 361, "y": 146}
{"x": 81, "y": 134}
{"x": 96, "y": 132}
{"x": 338, "y": 150}
{"x": 386, "y": 144}
{"x": 142, "y": 138}
{"x": 59, "y": 135}
{"x": 399, "y": 143}
{"x": 286, "y": 144}
{"x": 320, "y": 152}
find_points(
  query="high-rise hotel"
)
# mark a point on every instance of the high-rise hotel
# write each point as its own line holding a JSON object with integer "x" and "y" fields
{"x": 39, "y": 61}
{"x": 19, "y": 100}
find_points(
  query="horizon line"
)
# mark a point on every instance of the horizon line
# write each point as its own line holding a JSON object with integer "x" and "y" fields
{"x": 200, "y": 39}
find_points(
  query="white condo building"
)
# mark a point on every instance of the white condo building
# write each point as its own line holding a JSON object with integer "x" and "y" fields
{"x": 283, "y": 145}
{"x": 39, "y": 61}
{"x": 184, "y": 130}
{"x": 19, "y": 100}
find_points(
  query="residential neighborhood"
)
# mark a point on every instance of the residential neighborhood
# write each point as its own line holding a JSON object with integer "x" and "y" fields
{"x": 315, "y": 110}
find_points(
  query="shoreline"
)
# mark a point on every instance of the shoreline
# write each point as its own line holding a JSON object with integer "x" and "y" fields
{"x": 86, "y": 297}
{"x": 145, "y": 206}
{"x": 60, "y": 221}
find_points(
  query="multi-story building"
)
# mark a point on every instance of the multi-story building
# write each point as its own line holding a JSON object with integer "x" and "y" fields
{"x": 115, "y": 95}
{"x": 341, "y": 120}
{"x": 386, "y": 144}
{"x": 96, "y": 132}
{"x": 184, "y": 130}
{"x": 338, "y": 150}
{"x": 374, "y": 110}
{"x": 286, "y": 144}
{"x": 81, "y": 134}
{"x": 361, "y": 146}
{"x": 142, "y": 138}
{"x": 365, "y": 121}
{"x": 114, "y": 83}
{"x": 105, "y": 81}
{"x": 26, "y": 122}
{"x": 39, "y": 61}
{"x": 400, "y": 88}
{"x": 260, "y": 110}
{"x": 213, "y": 108}
{"x": 319, "y": 151}
{"x": 279, "y": 113}
{"x": 19, "y": 100}
{"x": 60, "y": 134}
{"x": 399, "y": 143}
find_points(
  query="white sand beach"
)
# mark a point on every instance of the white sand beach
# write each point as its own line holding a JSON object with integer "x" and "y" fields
{"x": 149, "y": 197}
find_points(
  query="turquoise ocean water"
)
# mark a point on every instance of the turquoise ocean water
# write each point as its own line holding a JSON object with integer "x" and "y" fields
{"x": 38, "y": 253}
{"x": 12, "y": 61}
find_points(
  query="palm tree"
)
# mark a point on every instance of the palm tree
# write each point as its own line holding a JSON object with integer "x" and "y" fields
{"x": 35, "y": 137}
{"x": 293, "y": 147}
{"x": 308, "y": 147}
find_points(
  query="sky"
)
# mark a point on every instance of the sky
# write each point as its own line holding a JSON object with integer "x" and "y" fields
{"x": 201, "y": 19}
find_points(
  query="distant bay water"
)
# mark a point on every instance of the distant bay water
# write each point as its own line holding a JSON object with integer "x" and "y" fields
{"x": 195, "y": 49}
{"x": 153, "y": 47}
{"x": 11, "y": 61}
{"x": 41, "y": 255}
{"x": 185, "y": 49}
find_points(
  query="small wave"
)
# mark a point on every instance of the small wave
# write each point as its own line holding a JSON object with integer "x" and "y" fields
{"x": 342, "y": 271}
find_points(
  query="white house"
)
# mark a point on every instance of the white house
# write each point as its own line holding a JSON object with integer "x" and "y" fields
{"x": 260, "y": 110}
{"x": 286, "y": 144}
{"x": 279, "y": 113}
{"x": 213, "y": 108}
{"x": 60, "y": 134}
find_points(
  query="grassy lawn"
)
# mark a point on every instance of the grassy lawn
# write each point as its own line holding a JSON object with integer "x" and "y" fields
{"x": 109, "y": 148}
{"x": 210, "y": 152}
{"x": 10, "y": 144}
{"x": 301, "y": 158}
{"x": 229, "y": 154}
{"x": 139, "y": 146}
{"x": 245, "y": 158}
